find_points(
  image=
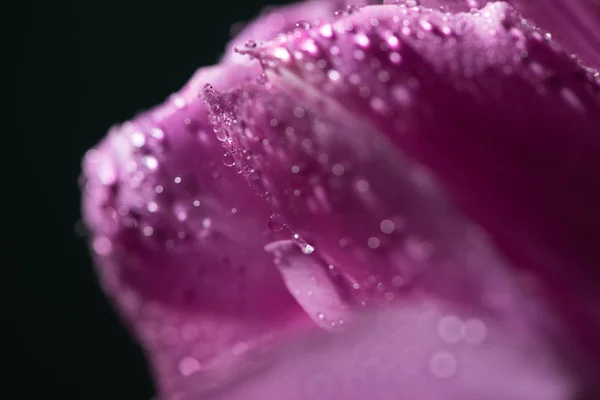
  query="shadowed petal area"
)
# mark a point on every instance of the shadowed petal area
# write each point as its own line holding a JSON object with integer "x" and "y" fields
{"x": 425, "y": 350}
{"x": 503, "y": 118}
{"x": 179, "y": 239}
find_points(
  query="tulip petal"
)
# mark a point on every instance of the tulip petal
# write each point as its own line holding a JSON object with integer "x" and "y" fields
{"x": 483, "y": 100}
{"x": 178, "y": 238}
{"x": 424, "y": 350}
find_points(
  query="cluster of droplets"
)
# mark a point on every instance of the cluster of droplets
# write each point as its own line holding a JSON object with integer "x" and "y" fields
{"x": 376, "y": 50}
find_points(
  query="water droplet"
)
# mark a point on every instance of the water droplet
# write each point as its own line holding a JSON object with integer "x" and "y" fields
{"x": 138, "y": 139}
{"x": 338, "y": 170}
{"x": 387, "y": 226}
{"x": 221, "y": 134}
{"x": 362, "y": 40}
{"x": 474, "y": 331}
{"x": 152, "y": 206}
{"x": 397, "y": 281}
{"x": 102, "y": 245}
{"x": 303, "y": 24}
{"x": 179, "y": 102}
{"x": 443, "y": 365}
{"x": 450, "y": 329}
{"x": 150, "y": 162}
{"x": 157, "y": 133}
{"x": 276, "y": 223}
{"x": 326, "y": 31}
{"x": 188, "y": 366}
{"x": 228, "y": 160}
{"x": 352, "y": 8}
{"x": 307, "y": 248}
{"x": 262, "y": 79}
{"x": 282, "y": 54}
{"x": 299, "y": 112}
{"x": 383, "y": 76}
{"x": 373, "y": 242}
{"x": 333, "y": 75}
{"x": 426, "y": 25}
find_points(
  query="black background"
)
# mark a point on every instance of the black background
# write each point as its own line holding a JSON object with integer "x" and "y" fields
{"x": 80, "y": 67}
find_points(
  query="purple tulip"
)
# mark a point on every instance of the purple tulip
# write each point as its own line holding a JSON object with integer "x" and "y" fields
{"x": 386, "y": 201}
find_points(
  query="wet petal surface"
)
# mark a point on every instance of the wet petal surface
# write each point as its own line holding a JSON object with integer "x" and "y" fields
{"x": 484, "y": 101}
{"x": 178, "y": 237}
{"x": 423, "y": 350}
{"x": 435, "y": 161}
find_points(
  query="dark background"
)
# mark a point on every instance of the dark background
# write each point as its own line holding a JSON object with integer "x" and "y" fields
{"x": 80, "y": 67}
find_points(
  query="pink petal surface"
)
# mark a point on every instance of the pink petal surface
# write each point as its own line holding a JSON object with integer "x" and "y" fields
{"x": 375, "y": 165}
{"x": 179, "y": 239}
{"x": 277, "y": 20}
{"x": 487, "y": 103}
{"x": 575, "y": 24}
{"x": 423, "y": 350}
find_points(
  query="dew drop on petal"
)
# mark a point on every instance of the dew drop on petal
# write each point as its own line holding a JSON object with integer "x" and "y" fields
{"x": 474, "y": 331}
{"x": 303, "y": 24}
{"x": 333, "y": 75}
{"x": 102, "y": 245}
{"x": 338, "y": 170}
{"x": 387, "y": 226}
{"x": 450, "y": 329}
{"x": 276, "y": 223}
{"x": 307, "y": 248}
{"x": 228, "y": 160}
{"x": 373, "y": 242}
{"x": 188, "y": 366}
{"x": 443, "y": 365}
{"x": 138, "y": 139}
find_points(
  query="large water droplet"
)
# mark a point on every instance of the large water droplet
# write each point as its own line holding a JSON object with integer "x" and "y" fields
{"x": 228, "y": 160}
{"x": 307, "y": 248}
{"x": 303, "y": 24}
{"x": 276, "y": 223}
{"x": 221, "y": 134}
